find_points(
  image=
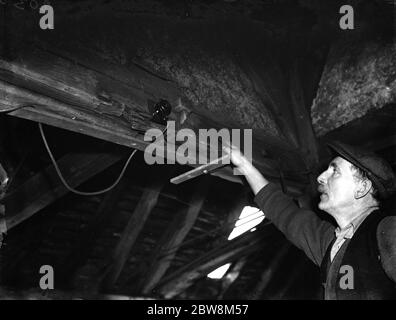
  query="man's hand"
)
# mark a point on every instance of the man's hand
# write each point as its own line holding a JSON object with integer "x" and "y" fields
{"x": 238, "y": 159}
{"x": 253, "y": 176}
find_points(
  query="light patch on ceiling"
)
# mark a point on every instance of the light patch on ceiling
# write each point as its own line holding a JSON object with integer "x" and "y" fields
{"x": 249, "y": 218}
{"x": 219, "y": 272}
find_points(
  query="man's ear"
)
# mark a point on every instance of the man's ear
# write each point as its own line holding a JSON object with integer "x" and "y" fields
{"x": 364, "y": 187}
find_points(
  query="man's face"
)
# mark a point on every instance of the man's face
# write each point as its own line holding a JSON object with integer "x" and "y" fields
{"x": 337, "y": 186}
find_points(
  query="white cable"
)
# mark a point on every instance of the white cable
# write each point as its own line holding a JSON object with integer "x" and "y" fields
{"x": 81, "y": 193}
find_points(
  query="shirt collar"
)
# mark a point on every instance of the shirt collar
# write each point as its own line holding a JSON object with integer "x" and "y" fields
{"x": 348, "y": 231}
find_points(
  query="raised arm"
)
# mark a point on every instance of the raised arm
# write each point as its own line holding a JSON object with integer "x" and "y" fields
{"x": 302, "y": 227}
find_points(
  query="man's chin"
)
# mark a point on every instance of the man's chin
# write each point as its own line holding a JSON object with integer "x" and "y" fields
{"x": 322, "y": 205}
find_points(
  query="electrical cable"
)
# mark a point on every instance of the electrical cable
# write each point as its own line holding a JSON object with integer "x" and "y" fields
{"x": 81, "y": 193}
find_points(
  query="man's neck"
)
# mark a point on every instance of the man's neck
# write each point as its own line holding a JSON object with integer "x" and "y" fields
{"x": 343, "y": 219}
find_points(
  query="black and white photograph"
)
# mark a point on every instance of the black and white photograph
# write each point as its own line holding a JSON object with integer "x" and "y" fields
{"x": 197, "y": 155}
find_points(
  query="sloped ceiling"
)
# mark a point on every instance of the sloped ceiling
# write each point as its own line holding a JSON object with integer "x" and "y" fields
{"x": 358, "y": 78}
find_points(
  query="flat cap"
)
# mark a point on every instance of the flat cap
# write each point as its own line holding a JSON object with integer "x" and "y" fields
{"x": 378, "y": 170}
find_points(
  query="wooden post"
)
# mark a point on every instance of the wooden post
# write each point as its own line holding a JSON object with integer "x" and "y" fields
{"x": 181, "y": 279}
{"x": 267, "y": 275}
{"x": 131, "y": 232}
{"x": 85, "y": 241}
{"x": 182, "y": 224}
{"x": 230, "y": 277}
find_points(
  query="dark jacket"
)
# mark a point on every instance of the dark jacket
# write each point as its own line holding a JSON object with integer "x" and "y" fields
{"x": 315, "y": 236}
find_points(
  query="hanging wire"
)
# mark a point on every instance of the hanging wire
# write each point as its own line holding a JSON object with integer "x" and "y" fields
{"x": 68, "y": 187}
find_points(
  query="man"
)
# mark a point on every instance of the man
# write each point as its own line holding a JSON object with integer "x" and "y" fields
{"x": 358, "y": 257}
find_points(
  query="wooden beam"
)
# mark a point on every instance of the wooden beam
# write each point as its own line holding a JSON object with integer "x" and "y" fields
{"x": 98, "y": 108}
{"x": 239, "y": 202}
{"x": 305, "y": 135}
{"x": 267, "y": 275}
{"x": 131, "y": 232}
{"x": 45, "y": 187}
{"x": 231, "y": 276}
{"x": 274, "y": 101}
{"x": 299, "y": 267}
{"x": 181, "y": 279}
{"x": 180, "y": 227}
{"x": 380, "y": 144}
{"x": 86, "y": 240}
{"x": 304, "y": 130}
{"x": 72, "y": 92}
{"x": 95, "y": 85}
{"x": 36, "y": 107}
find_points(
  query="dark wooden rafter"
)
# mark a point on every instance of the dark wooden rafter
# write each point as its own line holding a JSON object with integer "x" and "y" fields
{"x": 86, "y": 240}
{"x": 272, "y": 100}
{"x": 45, "y": 187}
{"x": 236, "y": 208}
{"x": 380, "y": 144}
{"x": 268, "y": 274}
{"x": 305, "y": 134}
{"x": 298, "y": 268}
{"x": 110, "y": 104}
{"x": 41, "y": 108}
{"x": 289, "y": 112}
{"x": 181, "y": 279}
{"x": 231, "y": 276}
{"x": 131, "y": 232}
{"x": 177, "y": 232}
{"x": 101, "y": 99}
{"x": 374, "y": 131}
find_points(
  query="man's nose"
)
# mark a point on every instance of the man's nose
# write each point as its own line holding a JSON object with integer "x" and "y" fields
{"x": 322, "y": 178}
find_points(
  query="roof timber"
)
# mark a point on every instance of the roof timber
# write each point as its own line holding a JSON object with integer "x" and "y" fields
{"x": 86, "y": 240}
{"x": 60, "y": 91}
{"x": 181, "y": 279}
{"x": 116, "y": 71}
{"x": 268, "y": 274}
{"x": 130, "y": 234}
{"x": 177, "y": 232}
{"x": 45, "y": 187}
